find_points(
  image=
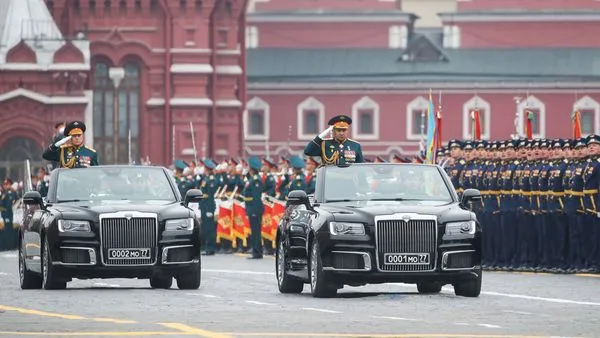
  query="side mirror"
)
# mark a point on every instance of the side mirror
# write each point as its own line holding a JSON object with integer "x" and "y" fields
{"x": 298, "y": 197}
{"x": 33, "y": 198}
{"x": 470, "y": 196}
{"x": 193, "y": 195}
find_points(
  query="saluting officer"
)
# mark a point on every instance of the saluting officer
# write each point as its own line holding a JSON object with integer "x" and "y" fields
{"x": 70, "y": 152}
{"x": 339, "y": 149}
{"x": 252, "y": 192}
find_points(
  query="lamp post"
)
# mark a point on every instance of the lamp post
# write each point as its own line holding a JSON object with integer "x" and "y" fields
{"x": 116, "y": 74}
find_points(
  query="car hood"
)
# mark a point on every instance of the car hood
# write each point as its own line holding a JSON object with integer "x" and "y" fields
{"x": 366, "y": 211}
{"x": 91, "y": 211}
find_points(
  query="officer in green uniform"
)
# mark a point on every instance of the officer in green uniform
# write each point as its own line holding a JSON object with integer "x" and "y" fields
{"x": 252, "y": 192}
{"x": 210, "y": 184}
{"x": 299, "y": 179}
{"x": 8, "y": 236}
{"x": 70, "y": 152}
{"x": 338, "y": 150}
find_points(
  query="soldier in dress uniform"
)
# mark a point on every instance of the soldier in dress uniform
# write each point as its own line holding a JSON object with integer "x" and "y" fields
{"x": 268, "y": 178}
{"x": 339, "y": 149}
{"x": 209, "y": 185}
{"x": 557, "y": 225}
{"x": 73, "y": 153}
{"x": 311, "y": 175}
{"x": 575, "y": 206}
{"x": 590, "y": 229}
{"x": 252, "y": 192}
{"x": 298, "y": 181}
{"x": 8, "y": 198}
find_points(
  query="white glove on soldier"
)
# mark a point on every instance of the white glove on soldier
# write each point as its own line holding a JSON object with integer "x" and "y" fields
{"x": 326, "y": 132}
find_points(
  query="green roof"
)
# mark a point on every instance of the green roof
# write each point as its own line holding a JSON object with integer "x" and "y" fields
{"x": 280, "y": 65}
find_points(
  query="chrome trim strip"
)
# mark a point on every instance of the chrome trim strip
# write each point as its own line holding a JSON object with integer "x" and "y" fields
{"x": 445, "y": 260}
{"x": 130, "y": 214}
{"x": 366, "y": 260}
{"x": 166, "y": 249}
{"x": 402, "y": 217}
{"x": 91, "y": 252}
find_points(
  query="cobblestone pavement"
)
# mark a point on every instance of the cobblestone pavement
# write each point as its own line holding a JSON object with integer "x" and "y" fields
{"x": 239, "y": 298}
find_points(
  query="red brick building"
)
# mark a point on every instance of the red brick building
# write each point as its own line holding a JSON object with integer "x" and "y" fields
{"x": 310, "y": 60}
{"x": 131, "y": 69}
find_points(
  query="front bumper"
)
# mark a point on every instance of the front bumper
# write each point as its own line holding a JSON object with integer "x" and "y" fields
{"x": 80, "y": 257}
{"x": 357, "y": 263}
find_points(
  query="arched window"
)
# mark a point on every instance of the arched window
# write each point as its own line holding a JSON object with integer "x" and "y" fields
{"x": 484, "y": 108}
{"x": 416, "y": 118}
{"x": 365, "y": 118}
{"x": 103, "y": 112}
{"x": 256, "y": 120}
{"x": 13, "y": 154}
{"x": 117, "y": 117}
{"x": 311, "y": 118}
{"x": 129, "y": 114}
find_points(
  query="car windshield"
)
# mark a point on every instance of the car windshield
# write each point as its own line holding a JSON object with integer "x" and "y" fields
{"x": 114, "y": 183}
{"x": 381, "y": 182}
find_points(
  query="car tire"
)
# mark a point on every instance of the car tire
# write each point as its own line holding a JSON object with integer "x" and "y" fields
{"x": 158, "y": 281}
{"x": 285, "y": 282}
{"x": 429, "y": 287}
{"x": 470, "y": 288}
{"x": 320, "y": 287}
{"x": 191, "y": 278}
{"x": 50, "y": 278}
{"x": 28, "y": 280}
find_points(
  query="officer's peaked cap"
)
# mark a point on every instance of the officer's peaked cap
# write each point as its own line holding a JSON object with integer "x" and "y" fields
{"x": 593, "y": 138}
{"x": 340, "y": 121}
{"x": 297, "y": 162}
{"x": 254, "y": 163}
{"x": 210, "y": 164}
{"x": 74, "y": 128}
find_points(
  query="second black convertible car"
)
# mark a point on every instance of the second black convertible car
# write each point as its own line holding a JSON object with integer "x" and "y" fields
{"x": 380, "y": 223}
{"x": 110, "y": 222}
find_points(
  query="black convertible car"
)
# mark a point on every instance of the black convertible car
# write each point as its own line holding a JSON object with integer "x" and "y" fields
{"x": 380, "y": 223}
{"x": 110, "y": 222}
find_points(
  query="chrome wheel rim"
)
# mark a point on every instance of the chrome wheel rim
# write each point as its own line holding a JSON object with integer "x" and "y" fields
{"x": 45, "y": 265}
{"x": 313, "y": 267}
{"x": 280, "y": 263}
{"x": 21, "y": 265}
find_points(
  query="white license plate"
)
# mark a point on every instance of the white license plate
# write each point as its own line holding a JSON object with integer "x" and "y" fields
{"x": 406, "y": 258}
{"x": 128, "y": 253}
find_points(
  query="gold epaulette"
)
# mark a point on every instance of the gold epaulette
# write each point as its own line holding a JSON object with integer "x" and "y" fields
{"x": 92, "y": 149}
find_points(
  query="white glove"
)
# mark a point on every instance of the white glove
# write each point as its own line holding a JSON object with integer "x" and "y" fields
{"x": 326, "y": 132}
{"x": 62, "y": 141}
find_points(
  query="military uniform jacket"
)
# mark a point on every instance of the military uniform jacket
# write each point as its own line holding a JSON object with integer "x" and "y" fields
{"x": 252, "y": 193}
{"x": 71, "y": 156}
{"x": 333, "y": 152}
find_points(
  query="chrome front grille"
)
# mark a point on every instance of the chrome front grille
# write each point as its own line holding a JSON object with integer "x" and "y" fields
{"x": 128, "y": 230}
{"x": 411, "y": 235}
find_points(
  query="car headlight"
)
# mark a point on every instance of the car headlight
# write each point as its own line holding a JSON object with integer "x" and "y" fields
{"x": 460, "y": 228}
{"x": 65, "y": 225}
{"x": 344, "y": 228}
{"x": 179, "y": 224}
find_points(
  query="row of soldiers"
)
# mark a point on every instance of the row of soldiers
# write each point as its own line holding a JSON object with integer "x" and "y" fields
{"x": 539, "y": 210}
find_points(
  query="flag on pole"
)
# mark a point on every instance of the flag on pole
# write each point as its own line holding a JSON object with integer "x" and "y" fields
{"x": 528, "y": 124}
{"x": 431, "y": 131}
{"x": 475, "y": 124}
{"x": 576, "y": 116}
